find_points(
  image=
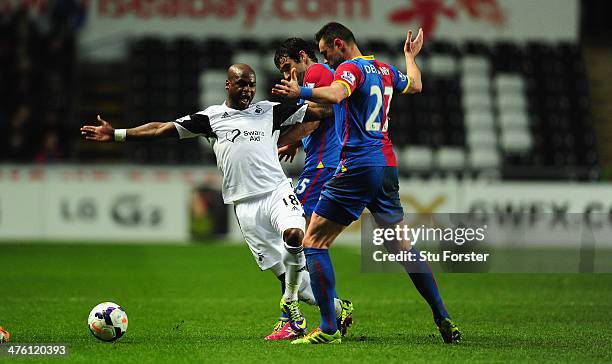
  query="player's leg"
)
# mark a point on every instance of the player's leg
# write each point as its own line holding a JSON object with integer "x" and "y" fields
{"x": 388, "y": 213}
{"x": 266, "y": 246}
{"x": 343, "y": 307}
{"x": 341, "y": 203}
{"x": 287, "y": 217}
{"x": 424, "y": 281}
{"x": 295, "y": 262}
{"x": 281, "y": 329}
{"x": 322, "y": 277}
{"x": 319, "y": 237}
{"x": 308, "y": 190}
{"x": 304, "y": 292}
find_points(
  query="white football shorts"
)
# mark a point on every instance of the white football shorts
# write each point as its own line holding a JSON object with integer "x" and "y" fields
{"x": 264, "y": 218}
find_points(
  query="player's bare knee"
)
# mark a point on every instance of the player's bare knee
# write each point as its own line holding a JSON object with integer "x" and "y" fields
{"x": 293, "y": 240}
{"x": 293, "y": 237}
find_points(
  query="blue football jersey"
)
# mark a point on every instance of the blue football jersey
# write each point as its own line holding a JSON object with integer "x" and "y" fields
{"x": 363, "y": 131}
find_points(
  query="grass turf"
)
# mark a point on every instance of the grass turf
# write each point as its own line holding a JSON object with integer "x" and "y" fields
{"x": 211, "y": 303}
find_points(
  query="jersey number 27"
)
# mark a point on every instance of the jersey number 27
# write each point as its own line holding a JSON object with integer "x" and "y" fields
{"x": 372, "y": 124}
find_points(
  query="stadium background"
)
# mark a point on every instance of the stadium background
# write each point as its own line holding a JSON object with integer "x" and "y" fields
{"x": 515, "y": 118}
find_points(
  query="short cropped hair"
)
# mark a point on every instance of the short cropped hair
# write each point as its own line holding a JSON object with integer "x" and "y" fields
{"x": 291, "y": 48}
{"x": 333, "y": 30}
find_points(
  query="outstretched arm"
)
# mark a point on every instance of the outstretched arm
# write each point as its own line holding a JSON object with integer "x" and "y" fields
{"x": 106, "y": 133}
{"x": 411, "y": 50}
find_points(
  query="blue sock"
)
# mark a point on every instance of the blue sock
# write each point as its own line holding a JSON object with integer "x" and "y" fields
{"x": 423, "y": 279}
{"x": 323, "y": 283}
{"x": 282, "y": 282}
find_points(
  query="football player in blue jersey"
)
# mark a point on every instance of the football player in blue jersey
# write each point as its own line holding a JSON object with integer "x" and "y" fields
{"x": 366, "y": 176}
{"x": 322, "y": 150}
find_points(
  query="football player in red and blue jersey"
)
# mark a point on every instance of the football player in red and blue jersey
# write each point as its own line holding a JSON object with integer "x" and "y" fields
{"x": 322, "y": 149}
{"x": 367, "y": 174}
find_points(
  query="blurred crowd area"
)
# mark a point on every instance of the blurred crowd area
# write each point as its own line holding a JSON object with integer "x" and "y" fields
{"x": 37, "y": 58}
{"x": 499, "y": 107}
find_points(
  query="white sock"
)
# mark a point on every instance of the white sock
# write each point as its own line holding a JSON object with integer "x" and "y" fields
{"x": 294, "y": 263}
{"x": 338, "y": 307}
{"x": 305, "y": 294}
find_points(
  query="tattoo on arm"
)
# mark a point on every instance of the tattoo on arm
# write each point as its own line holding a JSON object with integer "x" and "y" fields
{"x": 318, "y": 111}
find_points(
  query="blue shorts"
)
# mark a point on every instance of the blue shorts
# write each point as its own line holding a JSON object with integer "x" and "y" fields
{"x": 346, "y": 195}
{"x": 309, "y": 187}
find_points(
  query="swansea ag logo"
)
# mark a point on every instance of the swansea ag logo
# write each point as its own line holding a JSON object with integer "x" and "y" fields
{"x": 232, "y": 135}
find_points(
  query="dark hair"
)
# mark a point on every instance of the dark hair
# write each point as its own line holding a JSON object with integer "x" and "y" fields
{"x": 291, "y": 48}
{"x": 333, "y": 30}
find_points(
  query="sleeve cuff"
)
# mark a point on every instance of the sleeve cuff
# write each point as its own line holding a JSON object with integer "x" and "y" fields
{"x": 296, "y": 117}
{"x": 407, "y": 85}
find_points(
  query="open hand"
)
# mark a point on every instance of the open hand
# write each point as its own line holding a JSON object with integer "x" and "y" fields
{"x": 287, "y": 153}
{"x": 413, "y": 47}
{"x": 288, "y": 88}
{"x": 102, "y": 133}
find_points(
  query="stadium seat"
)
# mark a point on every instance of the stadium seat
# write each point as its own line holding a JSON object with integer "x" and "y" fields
{"x": 212, "y": 79}
{"x": 509, "y": 82}
{"x": 252, "y": 58}
{"x": 481, "y": 139}
{"x": 511, "y": 102}
{"x": 484, "y": 158}
{"x": 211, "y": 96}
{"x": 399, "y": 61}
{"x": 416, "y": 158}
{"x": 450, "y": 159}
{"x": 442, "y": 65}
{"x": 475, "y": 65}
{"x": 515, "y": 120}
{"x": 477, "y": 101}
{"x": 516, "y": 141}
{"x": 479, "y": 120}
{"x": 475, "y": 83}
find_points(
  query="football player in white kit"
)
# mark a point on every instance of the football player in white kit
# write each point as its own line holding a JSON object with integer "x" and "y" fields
{"x": 244, "y": 138}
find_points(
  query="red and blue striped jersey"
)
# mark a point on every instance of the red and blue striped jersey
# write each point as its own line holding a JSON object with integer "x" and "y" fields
{"x": 322, "y": 147}
{"x": 363, "y": 131}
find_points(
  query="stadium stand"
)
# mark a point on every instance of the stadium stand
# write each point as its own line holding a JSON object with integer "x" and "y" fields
{"x": 504, "y": 109}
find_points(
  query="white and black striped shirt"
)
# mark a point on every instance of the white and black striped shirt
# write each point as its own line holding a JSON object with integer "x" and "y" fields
{"x": 244, "y": 142}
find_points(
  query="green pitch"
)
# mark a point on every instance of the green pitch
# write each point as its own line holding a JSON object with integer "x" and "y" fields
{"x": 211, "y": 303}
